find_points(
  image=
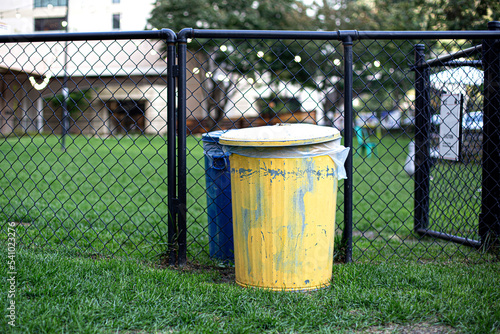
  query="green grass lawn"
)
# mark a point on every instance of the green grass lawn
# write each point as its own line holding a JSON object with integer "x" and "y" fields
{"x": 71, "y": 292}
{"x": 109, "y": 196}
{"x": 91, "y": 221}
{"x": 104, "y": 195}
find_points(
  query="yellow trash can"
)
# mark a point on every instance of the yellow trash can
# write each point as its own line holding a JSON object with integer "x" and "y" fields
{"x": 284, "y": 191}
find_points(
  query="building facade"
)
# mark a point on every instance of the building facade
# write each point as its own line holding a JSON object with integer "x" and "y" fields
{"x": 31, "y": 16}
{"x": 122, "y": 83}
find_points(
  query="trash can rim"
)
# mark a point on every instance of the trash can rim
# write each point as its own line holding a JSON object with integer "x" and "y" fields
{"x": 212, "y": 137}
{"x": 280, "y": 136}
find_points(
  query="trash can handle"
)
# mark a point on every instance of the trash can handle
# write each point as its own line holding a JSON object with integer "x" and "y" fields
{"x": 216, "y": 166}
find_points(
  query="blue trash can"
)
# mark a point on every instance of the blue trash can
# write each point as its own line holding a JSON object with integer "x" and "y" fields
{"x": 219, "y": 207}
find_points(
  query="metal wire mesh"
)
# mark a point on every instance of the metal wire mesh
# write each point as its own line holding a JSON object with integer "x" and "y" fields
{"x": 85, "y": 143}
{"x": 456, "y": 183}
{"x": 83, "y": 152}
{"x": 243, "y": 81}
{"x": 248, "y": 83}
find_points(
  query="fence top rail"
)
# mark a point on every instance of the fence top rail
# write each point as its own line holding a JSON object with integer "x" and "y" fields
{"x": 335, "y": 35}
{"x": 163, "y": 34}
{"x": 423, "y": 35}
{"x": 171, "y": 37}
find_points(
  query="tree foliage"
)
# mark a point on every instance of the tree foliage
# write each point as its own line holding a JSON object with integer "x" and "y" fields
{"x": 224, "y": 62}
{"x": 458, "y": 14}
{"x": 381, "y": 67}
{"x": 407, "y": 15}
{"x": 397, "y": 15}
{"x": 230, "y": 14}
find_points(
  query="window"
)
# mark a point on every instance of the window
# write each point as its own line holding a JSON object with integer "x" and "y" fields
{"x": 53, "y": 23}
{"x": 116, "y": 1}
{"x": 116, "y": 21}
{"x": 45, "y": 3}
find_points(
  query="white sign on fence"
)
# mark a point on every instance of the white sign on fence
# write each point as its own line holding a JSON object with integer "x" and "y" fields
{"x": 449, "y": 130}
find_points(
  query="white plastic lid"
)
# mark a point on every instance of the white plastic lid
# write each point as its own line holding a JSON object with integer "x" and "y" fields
{"x": 280, "y": 135}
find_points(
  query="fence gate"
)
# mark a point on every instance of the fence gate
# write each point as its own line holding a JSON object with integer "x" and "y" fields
{"x": 455, "y": 158}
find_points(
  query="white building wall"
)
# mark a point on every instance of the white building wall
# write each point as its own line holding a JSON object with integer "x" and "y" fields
{"x": 16, "y": 16}
{"x": 84, "y": 15}
{"x": 97, "y": 15}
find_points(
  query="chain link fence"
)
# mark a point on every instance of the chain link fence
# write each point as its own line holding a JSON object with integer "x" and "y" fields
{"x": 83, "y": 142}
{"x": 102, "y": 136}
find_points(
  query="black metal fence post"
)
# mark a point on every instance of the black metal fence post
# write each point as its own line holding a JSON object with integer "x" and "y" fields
{"x": 489, "y": 221}
{"x": 181, "y": 150}
{"x": 171, "y": 159}
{"x": 422, "y": 145}
{"x": 348, "y": 131}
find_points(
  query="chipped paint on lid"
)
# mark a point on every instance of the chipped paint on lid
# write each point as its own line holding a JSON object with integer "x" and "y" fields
{"x": 280, "y": 135}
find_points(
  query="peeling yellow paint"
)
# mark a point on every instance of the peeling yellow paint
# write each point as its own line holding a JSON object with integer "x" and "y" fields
{"x": 283, "y": 221}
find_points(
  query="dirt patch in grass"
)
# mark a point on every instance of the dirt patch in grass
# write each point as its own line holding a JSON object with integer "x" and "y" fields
{"x": 226, "y": 272}
{"x": 421, "y": 328}
{"x": 227, "y": 275}
{"x": 97, "y": 256}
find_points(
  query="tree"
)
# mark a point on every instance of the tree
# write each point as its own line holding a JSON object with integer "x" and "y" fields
{"x": 457, "y": 14}
{"x": 378, "y": 65}
{"x": 225, "y": 14}
{"x": 384, "y": 60}
{"x": 224, "y": 62}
